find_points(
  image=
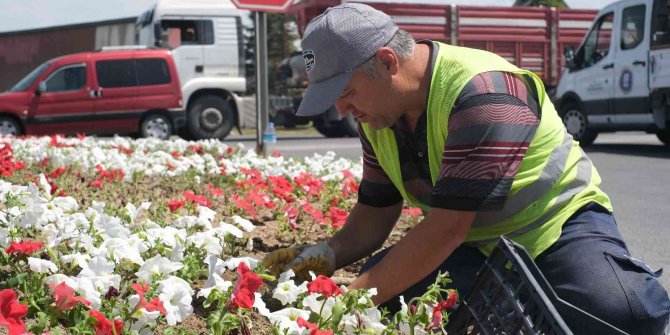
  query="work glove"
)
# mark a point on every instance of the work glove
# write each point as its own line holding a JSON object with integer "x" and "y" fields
{"x": 318, "y": 258}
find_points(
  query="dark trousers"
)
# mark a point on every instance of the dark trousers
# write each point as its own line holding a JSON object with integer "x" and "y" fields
{"x": 589, "y": 267}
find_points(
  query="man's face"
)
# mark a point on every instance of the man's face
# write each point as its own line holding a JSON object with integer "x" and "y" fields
{"x": 370, "y": 100}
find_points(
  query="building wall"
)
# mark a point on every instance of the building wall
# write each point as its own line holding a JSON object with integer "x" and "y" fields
{"x": 21, "y": 52}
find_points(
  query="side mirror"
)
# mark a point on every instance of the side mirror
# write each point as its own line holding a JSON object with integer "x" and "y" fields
{"x": 157, "y": 34}
{"x": 41, "y": 88}
{"x": 569, "y": 55}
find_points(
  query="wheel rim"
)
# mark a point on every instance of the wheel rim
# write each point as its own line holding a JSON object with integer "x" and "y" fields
{"x": 575, "y": 122}
{"x": 8, "y": 128}
{"x": 157, "y": 128}
{"x": 211, "y": 118}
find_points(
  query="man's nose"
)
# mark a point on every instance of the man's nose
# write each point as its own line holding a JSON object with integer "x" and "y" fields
{"x": 342, "y": 107}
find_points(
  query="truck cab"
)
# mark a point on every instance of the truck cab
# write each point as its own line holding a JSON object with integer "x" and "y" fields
{"x": 619, "y": 77}
{"x": 205, "y": 38}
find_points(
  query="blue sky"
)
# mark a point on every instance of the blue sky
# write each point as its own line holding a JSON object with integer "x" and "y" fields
{"x": 30, "y": 14}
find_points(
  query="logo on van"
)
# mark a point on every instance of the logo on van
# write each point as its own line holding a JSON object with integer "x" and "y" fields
{"x": 310, "y": 60}
{"x": 626, "y": 80}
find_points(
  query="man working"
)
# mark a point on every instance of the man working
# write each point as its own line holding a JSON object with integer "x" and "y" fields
{"x": 476, "y": 143}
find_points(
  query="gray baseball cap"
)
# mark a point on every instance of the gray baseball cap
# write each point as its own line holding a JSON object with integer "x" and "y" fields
{"x": 334, "y": 44}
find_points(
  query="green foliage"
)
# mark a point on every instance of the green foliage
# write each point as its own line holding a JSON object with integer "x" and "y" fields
{"x": 541, "y": 3}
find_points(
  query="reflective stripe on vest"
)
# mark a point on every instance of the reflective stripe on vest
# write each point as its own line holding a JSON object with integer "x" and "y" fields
{"x": 529, "y": 194}
{"x": 581, "y": 181}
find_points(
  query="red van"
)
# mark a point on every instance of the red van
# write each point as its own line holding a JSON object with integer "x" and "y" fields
{"x": 106, "y": 92}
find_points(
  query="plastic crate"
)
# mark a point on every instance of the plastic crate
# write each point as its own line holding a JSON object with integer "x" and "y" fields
{"x": 511, "y": 296}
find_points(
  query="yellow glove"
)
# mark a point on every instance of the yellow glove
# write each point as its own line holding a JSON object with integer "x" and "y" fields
{"x": 276, "y": 261}
{"x": 318, "y": 258}
{"x": 302, "y": 259}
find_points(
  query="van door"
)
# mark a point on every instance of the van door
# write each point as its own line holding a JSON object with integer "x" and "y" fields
{"x": 156, "y": 89}
{"x": 594, "y": 77}
{"x": 631, "y": 69}
{"x": 115, "y": 103}
{"x": 65, "y": 106}
{"x": 186, "y": 37}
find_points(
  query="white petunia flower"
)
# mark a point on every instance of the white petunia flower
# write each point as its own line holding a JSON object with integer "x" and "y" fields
{"x": 67, "y": 204}
{"x": 286, "y": 320}
{"x": 176, "y": 295}
{"x": 286, "y": 292}
{"x": 41, "y": 265}
{"x": 315, "y": 303}
{"x": 244, "y": 223}
{"x": 225, "y": 228}
{"x": 233, "y": 262}
{"x": 157, "y": 265}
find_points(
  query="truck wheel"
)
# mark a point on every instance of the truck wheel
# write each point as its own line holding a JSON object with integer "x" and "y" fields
{"x": 156, "y": 126}
{"x": 210, "y": 117}
{"x": 578, "y": 125}
{"x": 664, "y": 136}
{"x": 9, "y": 126}
{"x": 340, "y": 128}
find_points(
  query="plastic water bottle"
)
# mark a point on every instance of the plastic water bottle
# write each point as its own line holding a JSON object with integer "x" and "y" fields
{"x": 270, "y": 139}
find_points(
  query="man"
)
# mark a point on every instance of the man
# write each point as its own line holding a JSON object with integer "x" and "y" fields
{"x": 476, "y": 143}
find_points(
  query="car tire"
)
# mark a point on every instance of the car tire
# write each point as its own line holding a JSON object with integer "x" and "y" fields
{"x": 210, "y": 117}
{"x": 664, "y": 136}
{"x": 156, "y": 126}
{"x": 577, "y": 124}
{"x": 9, "y": 126}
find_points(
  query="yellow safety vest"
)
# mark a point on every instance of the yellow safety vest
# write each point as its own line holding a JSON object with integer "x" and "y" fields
{"x": 555, "y": 177}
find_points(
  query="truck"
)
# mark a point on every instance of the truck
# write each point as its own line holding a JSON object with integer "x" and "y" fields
{"x": 205, "y": 38}
{"x": 529, "y": 37}
{"x": 619, "y": 76}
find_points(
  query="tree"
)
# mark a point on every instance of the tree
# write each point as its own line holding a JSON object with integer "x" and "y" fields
{"x": 541, "y": 3}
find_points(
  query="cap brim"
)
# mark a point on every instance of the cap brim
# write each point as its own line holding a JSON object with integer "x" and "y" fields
{"x": 320, "y": 96}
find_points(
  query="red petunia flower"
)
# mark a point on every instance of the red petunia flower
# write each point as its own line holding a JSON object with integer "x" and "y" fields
{"x": 313, "y": 328}
{"x": 337, "y": 216}
{"x": 65, "y": 298}
{"x": 11, "y": 312}
{"x": 26, "y": 247}
{"x": 323, "y": 285}
{"x": 175, "y": 204}
{"x": 452, "y": 299}
{"x": 247, "y": 283}
{"x": 153, "y": 305}
{"x": 105, "y": 327}
{"x": 199, "y": 199}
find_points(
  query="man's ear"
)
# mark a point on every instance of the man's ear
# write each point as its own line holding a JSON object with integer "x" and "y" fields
{"x": 388, "y": 60}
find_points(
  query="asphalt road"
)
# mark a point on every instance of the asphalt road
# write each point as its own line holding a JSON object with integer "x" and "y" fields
{"x": 634, "y": 166}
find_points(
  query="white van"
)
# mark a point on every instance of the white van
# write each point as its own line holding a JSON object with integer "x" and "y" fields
{"x": 619, "y": 77}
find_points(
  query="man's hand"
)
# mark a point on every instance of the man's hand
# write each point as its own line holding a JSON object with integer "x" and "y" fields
{"x": 318, "y": 258}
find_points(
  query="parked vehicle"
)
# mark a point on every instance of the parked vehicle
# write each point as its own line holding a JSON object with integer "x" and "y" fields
{"x": 205, "y": 38}
{"x": 619, "y": 77}
{"x": 105, "y": 92}
{"x": 529, "y": 37}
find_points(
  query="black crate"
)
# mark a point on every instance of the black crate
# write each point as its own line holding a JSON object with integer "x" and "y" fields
{"x": 511, "y": 296}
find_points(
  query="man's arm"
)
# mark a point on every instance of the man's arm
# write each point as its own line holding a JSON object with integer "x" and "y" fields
{"x": 365, "y": 231}
{"x": 417, "y": 254}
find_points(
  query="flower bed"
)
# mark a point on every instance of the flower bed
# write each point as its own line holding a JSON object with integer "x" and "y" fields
{"x": 144, "y": 236}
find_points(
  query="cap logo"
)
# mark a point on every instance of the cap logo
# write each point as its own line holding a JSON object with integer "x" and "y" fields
{"x": 310, "y": 61}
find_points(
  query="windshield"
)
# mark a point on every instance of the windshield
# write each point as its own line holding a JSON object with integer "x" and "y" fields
{"x": 30, "y": 78}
